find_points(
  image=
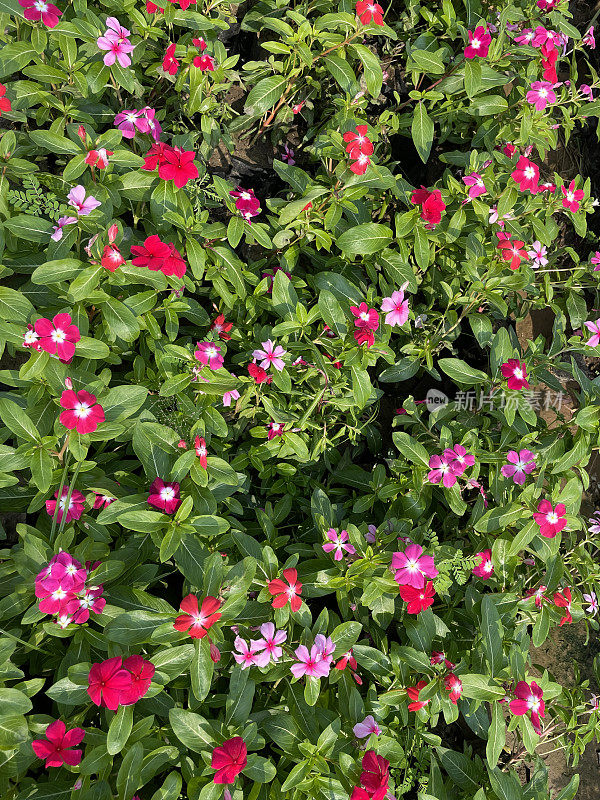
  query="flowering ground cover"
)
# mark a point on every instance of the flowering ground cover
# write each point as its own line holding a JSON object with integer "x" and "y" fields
{"x": 283, "y": 511}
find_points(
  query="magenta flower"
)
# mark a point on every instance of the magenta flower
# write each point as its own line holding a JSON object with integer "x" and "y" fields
{"x": 589, "y": 40}
{"x": 164, "y": 496}
{"x": 339, "y": 543}
{"x": 130, "y": 121}
{"x": 56, "y": 747}
{"x": 519, "y": 466}
{"x": 271, "y": 641}
{"x": 371, "y": 534}
{"x": 82, "y": 204}
{"x": 366, "y": 728}
{"x": 248, "y": 656}
{"x": 75, "y": 508}
{"x": 88, "y": 600}
{"x": 479, "y": 43}
{"x": 233, "y": 394}
{"x": 485, "y": 568}
{"x": 551, "y": 520}
{"x": 270, "y": 355}
{"x": 36, "y": 10}
{"x": 116, "y": 42}
{"x": 441, "y": 471}
{"x": 366, "y": 318}
{"x": 412, "y": 567}
{"x": 571, "y": 197}
{"x": 82, "y": 412}
{"x": 310, "y": 663}
{"x": 154, "y": 126}
{"x": 529, "y": 699}
{"x": 595, "y": 260}
{"x": 66, "y": 570}
{"x": 275, "y": 429}
{"x": 58, "y": 337}
{"x": 516, "y": 373}
{"x": 541, "y": 94}
{"x": 459, "y": 459}
{"x": 108, "y": 682}
{"x": 475, "y": 183}
{"x": 58, "y": 228}
{"x": 209, "y": 354}
{"x": 395, "y": 308}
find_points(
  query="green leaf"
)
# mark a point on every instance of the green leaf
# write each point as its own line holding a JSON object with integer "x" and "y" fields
{"x": 492, "y": 633}
{"x": 343, "y": 74}
{"x": 365, "y": 239}
{"x": 17, "y": 421}
{"x": 265, "y": 94}
{"x": 332, "y": 313}
{"x": 410, "y": 448}
{"x": 371, "y": 67}
{"x": 422, "y": 250}
{"x": 312, "y": 689}
{"x": 120, "y": 320}
{"x": 428, "y": 61}
{"x": 422, "y": 130}
{"x": 13, "y": 702}
{"x": 33, "y": 229}
{"x": 54, "y": 143}
{"x": 496, "y": 735}
{"x": 119, "y": 730}
{"x": 259, "y": 769}
{"x": 461, "y": 372}
{"x": 134, "y": 627}
{"x": 472, "y": 77}
{"x": 491, "y": 104}
{"x": 192, "y": 730}
{"x": 201, "y": 669}
{"x": 128, "y": 777}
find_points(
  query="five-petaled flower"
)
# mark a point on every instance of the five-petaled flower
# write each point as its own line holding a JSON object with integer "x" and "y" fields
{"x": 367, "y": 11}
{"x": 594, "y": 329}
{"x": 541, "y": 94}
{"x": 512, "y": 251}
{"x": 74, "y": 509}
{"x": 270, "y": 356}
{"x": 58, "y": 337}
{"x": 563, "y": 600}
{"x": 365, "y": 728}
{"x": 197, "y": 620}
{"x": 454, "y": 685}
{"x": 36, "y": 10}
{"x": 82, "y": 412}
{"x": 519, "y": 466}
{"x": 286, "y": 592}
{"x": 209, "y": 354}
{"x": 485, "y": 568}
{"x": 229, "y": 760}
{"x": 412, "y": 568}
{"x": 526, "y": 174}
{"x": 339, "y": 543}
{"x": 551, "y": 520}
{"x": 56, "y": 748}
{"x": 479, "y": 43}
{"x": 164, "y": 496}
{"x": 417, "y": 600}
{"x": 431, "y": 204}
{"x": 83, "y": 205}
{"x": 529, "y": 700}
{"x": 413, "y": 694}
{"x": 516, "y": 372}
{"x": 571, "y": 197}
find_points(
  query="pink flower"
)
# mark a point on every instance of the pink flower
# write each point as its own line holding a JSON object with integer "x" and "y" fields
{"x": 66, "y": 570}
{"x": 88, "y": 600}
{"x": 366, "y": 317}
{"x": 58, "y": 228}
{"x": 525, "y": 37}
{"x": 82, "y": 204}
{"x": 412, "y": 567}
{"x": 201, "y": 452}
{"x": 58, "y": 337}
{"x": 519, "y": 466}
{"x": 459, "y": 459}
{"x": 271, "y": 641}
{"x": 310, "y": 663}
{"x": 593, "y": 603}
{"x": 395, "y": 308}
{"x": 368, "y": 11}
{"x": 116, "y": 41}
{"x": 75, "y": 508}
{"x": 233, "y": 394}
{"x": 441, "y": 471}
{"x": 198, "y": 620}
{"x": 526, "y": 174}
{"x": 479, "y": 43}
{"x": 270, "y": 355}
{"x": 475, "y": 183}
{"x": 200, "y": 44}
{"x": 170, "y": 64}
{"x": 130, "y": 121}
{"x": 164, "y": 496}
{"x": 248, "y": 656}
{"x": 246, "y": 202}
{"x": 485, "y": 569}
{"x": 108, "y": 682}
{"x": 275, "y": 429}
{"x": 529, "y": 699}
{"x": 454, "y": 685}
{"x": 204, "y": 63}
{"x": 516, "y": 373}
{"x": 229, "y": 760}
{"x": 36, "y": 10}
{"x": 589, "y": 40}
{"x": 417, "y": 599}
{"x": 339, "y": 543}
{"x": 98, "y": 158}
{"x": 209, "y": 354}
{"x": 157, "y": 255}
{"x": 572, "y": 196}
{"x": 56, "y": 747}
{"x": 538, "y": 594}
{"x": 593, "y": 327}
{"x": 595, "y": 259}
{"x": 551, "y": 520}
{"x": 366, "y": 728}
{"x": 431, "y": 204}
{"x": 541, "y": 94}
{"x": 178, "y": 165}
{"x": 82, "y": 413}
{"x": 537, "y": 254}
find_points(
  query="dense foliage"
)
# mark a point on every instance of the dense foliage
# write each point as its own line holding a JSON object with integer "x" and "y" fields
{"x": 288, "y": 504}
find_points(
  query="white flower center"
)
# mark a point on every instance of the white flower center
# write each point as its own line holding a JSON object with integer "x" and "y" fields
{"x": 168, "y": 493}
{"x": 82, "y": 410}
{"x": 58, "y": 336}
{"x": 552, "y": 518}
{"x": 475, "y": 44}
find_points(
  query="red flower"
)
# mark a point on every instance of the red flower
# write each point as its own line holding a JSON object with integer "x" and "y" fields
{"x": 152, "y": 8}
{"x": 4, "y": 101}
{"x": 204, "y": 63}
{"x": 454, "y": 686}
{"x": 431, "y": 204}
{"x": 200, "y": 447}
{"x": 221, "y": 327}
{"x": 55, "y": 748}
{"x": 516, "y": 373}
{"x": 512, "y": 251}
{"x": 164, "y": 496}
{"x": 358, "y": 142}
{"x": 197, "y": 621}
{"x": 173, "y": 263}
{"x": 526, "y": 174}
{"x": 141, "y": 672}
{"x": 155, "y": 156}
{"x": 572, "y": 196}
{"x": 258, "y": 373}
{"x": 413, "y": 693}
{"x": 111, "y": 258}
{"x": 36, "y": 11}
{"x": 98, "y": 158}
{"x": 551, "y": 520}
{"x": 229, "y": 760}
{"x": 359, "y": 167}
{"x": 364, "y": 336}
{"x": 200, "y": 44}
{"x": 81, "y": 411}
{"x": 58, "y": 337}
{"x": 283, "y": 592}
{"x": 479, "y": 43}
{"x": 375, "y": 772}
{"x": 108, "y": 681}
{"x": 170, "y": 63}
{"x": 158, "y": 256}
{"x": 549, "y": 58}
{"x": 368, "y": 11}
{"x": 563, "y": 600}
{"x": 417, "y": 599}
{"x": 178, "y": 166}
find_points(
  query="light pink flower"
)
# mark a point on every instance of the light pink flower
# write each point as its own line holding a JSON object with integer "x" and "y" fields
{"x": 541, "y": 94}
{"x": 310, "y": 663}
{"x": 82, "y": 204}
{"x": 412, "y": 567}
{"x": 594, "y": 328}
{"x": 395, "y": 308}
{"x": 325, "y": 647}
{"x": 58, "y": 228}
{"x": 537, "y": 254}
{"x": 249, "y": 656}
{"x": 116, "y": 42}
{"x": 339, "y": 543}
{"x": 519, "y": 466}
{"x": 233, "y": 394}
{"x": 271, "y": 641}
{"x": 209, "y": 354}
{"x": 366, "y": 728}
{"x": 270, "y": 355}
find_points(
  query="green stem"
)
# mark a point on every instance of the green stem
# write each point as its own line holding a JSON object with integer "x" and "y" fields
{"x": 59, "y": 498}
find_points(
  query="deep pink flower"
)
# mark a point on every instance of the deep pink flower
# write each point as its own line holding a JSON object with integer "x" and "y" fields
{"x": 541, "y": 94}
{"x": 538, "y": 594}
{"x": 589, "y": 39}
{"x": 108, "y": 681}
{"x": 485, "y": 568}
{"x": 82, "y": 204}
{"x": 529, "y": 699}
{"x": 204, "y": 63}
{"x": 79, "y": 607}
{"x": 515, "y": 371}
{"x": 75, "y": 508}
{"x": 339, "y": 543}
{"x": 375, "y": 772}
{"x": 365, "y": 728}
{"x": 275, "y": 429}
{"x": 563, "y": 600}
{"x": 229, "y": 760}
{"x": 270, "y": 355}
{"x": 519, "y": 466}
{"x": 572, "y": 196}
{"x": 271, "y": 641}
{"x": 164, "y": 496}
{"x": 82, "y": 413}
{"x": 357, "y": 142}
{"x": 479, "y": 43}
{"x": 310, "y": 663}
{"x": 66, "y": 570}
{"x": 431, "y": 204}
{"x": 454, "y": 685}
{"x": 395, "y": 308}
{"x": 209, "y": 354}
{"x": 459, "y": 459}
{"x": 551, "y": 520}
{"x": 178, "y": 166}
{"x": 511, "y": 250}
{"x": 417, "y": 599}
{"x": 412, "y": 567}
{"x": 366, "y": 318}
{"x": 170, "y": 64}
{"x": 246, "y": 202}
{"x": 36, "y": 10}
{"x": 58, "y": 337}
{"x": 141, "y": 672}
{"x": 201, "y": 452}
{"x": 130, "y": 121}
{"x": 526, "y": 174}
{"x": 594, "y": 328}
{"x": 56, "y": 747}
{"x": 475, "y": 183}
{"x": 286, "y": 592}
{"x": 441, "y": 471}
{"x": 250, "y": 655}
